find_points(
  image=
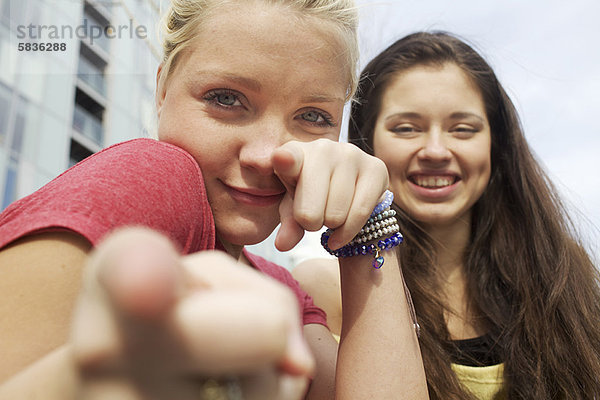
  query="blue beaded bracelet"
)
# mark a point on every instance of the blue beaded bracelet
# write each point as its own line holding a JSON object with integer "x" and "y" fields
{"x": 355, "y": 249}
{"x": 388, "y": 197}
{"x": 364, "y": 249}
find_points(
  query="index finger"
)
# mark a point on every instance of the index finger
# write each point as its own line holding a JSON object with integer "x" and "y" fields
{"x": 288, "y": 161}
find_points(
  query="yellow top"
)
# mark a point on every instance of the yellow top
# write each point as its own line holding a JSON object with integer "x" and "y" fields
{"x": 486, "y": 383}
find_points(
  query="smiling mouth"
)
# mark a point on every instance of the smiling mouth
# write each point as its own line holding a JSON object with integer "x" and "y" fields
{"x": 433, "y": 182}
{"x": 255, "y": 197}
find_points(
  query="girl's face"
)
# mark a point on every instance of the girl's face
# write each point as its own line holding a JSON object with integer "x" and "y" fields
{"x": 433, "y": 134}
{"x": 253, "y": 79}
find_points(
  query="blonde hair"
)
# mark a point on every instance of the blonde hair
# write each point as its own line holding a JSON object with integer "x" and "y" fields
{"x": 183, "y": 18}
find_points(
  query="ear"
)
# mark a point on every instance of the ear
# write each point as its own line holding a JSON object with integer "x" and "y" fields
{"x": 160, "y": 94}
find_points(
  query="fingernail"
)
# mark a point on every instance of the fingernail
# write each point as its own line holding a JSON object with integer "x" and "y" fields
{"x": 334, "y": 244}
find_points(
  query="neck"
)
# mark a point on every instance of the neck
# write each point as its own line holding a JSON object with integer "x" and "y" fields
{"x": 234, "y": 250}
{"x": 451, "y": 241}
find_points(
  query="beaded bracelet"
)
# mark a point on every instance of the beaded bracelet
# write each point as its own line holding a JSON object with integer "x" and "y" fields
{"x": 381, "y": 213}
{"x": 388, "y": 198}
{"x": 354, "y": 248}
{"x": 375, "y": 233}
{"x": 376, "y": 227}
{"x": 366, "y": 238}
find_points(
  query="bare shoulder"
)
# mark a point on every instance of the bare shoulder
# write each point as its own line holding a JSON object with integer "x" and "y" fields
{"x": 318, "y": 274}
{"x": 320, "y": 278}
{"x": 41, "y": 279}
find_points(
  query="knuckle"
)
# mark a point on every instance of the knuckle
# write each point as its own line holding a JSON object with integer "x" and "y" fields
{"x": 335, "y": 218}
{"x": 379, "y": 170}
{"x": 362, "y": 211}
{"x": 380, "y": 165}
{"x": 308, "y": 219}
{"x": 321, "y": 145}
{"x": 354, "y": 150}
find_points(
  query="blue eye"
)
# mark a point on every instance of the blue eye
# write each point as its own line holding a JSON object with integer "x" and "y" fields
{"x": 226, "y": 99}
{"x": 223, "y": 98}
{"x": 311, "y": 116}
{"x": 317, "y": 118}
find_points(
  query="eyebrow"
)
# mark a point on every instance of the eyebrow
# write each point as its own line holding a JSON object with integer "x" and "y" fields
{"x": 464, "y": 114}
{"x": 411, "y": 115}
{"x": 321, "y": 98}
{"x": 455, "y": 115}
{"x": 248, "y": 83}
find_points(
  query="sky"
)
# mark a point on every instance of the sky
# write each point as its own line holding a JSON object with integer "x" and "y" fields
{"x": 547, "y": 56}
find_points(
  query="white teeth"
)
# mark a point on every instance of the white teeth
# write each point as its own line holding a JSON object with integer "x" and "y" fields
{"x": 442, "y": 182}
{"x": 433, "y": 182}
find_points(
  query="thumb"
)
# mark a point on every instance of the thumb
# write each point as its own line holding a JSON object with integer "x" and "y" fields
{"x": 139, "y": 271}
{"x": 133, "y": 273}
{"x": 288, "y": 160}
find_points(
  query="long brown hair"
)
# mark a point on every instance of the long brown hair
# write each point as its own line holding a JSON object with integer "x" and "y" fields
{"x": 528, "y": 275}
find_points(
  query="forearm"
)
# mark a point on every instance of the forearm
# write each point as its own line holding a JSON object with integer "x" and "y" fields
{"x": 52, "y": 377}
{"x": 379, "y": 354}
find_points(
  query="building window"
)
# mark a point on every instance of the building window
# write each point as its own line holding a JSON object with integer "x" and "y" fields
{"x": 5, "y": 95}
{"x": 78, "y": 152}
{"x": 10, "y": 184}
{"x": 14, "y": 152}
{"x": 90, "y": 93}
{"x": 95, "y": 16}
{"x": 92, "y": 74}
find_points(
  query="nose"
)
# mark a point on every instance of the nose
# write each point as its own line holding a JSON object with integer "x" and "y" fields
{"x": 258, "y": 146}
{"x": 435, "y": 147}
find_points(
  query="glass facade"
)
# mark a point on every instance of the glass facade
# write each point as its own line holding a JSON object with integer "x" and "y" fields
{"x": 92, "y": 75}
{"x": 58, "y": 107}
{"x": 5, "y": 100}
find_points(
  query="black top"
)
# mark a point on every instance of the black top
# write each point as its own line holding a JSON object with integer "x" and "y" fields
{"x": 481, "y": 351}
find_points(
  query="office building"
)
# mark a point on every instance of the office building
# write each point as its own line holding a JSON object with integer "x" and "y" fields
{"x": 75, "y": 76}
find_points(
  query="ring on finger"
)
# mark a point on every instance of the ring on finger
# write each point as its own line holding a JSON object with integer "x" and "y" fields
{"x": 221, "y": 389}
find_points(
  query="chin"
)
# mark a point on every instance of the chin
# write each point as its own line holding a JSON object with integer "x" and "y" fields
{"x": 245, "y": 233}
{"x": 432, "y": 215}
{"x": 439, "y": 218}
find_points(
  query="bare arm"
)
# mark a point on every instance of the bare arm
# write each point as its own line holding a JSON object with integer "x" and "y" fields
{"x": 41, "y": 279}
{"x": 324, "y": 349}
{"x": 320, "y": 277}
{"x": 145, "y": 312}
{"x": 379, "y": 354}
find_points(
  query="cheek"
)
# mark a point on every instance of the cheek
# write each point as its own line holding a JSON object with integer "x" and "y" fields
{"x": 481, "y": 167}
{"x": 395, "y": 157}
{"x": 485, "y": 161}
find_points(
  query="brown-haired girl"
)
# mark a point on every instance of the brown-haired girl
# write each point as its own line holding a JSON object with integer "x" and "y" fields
{"x": 507, "y": 299}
